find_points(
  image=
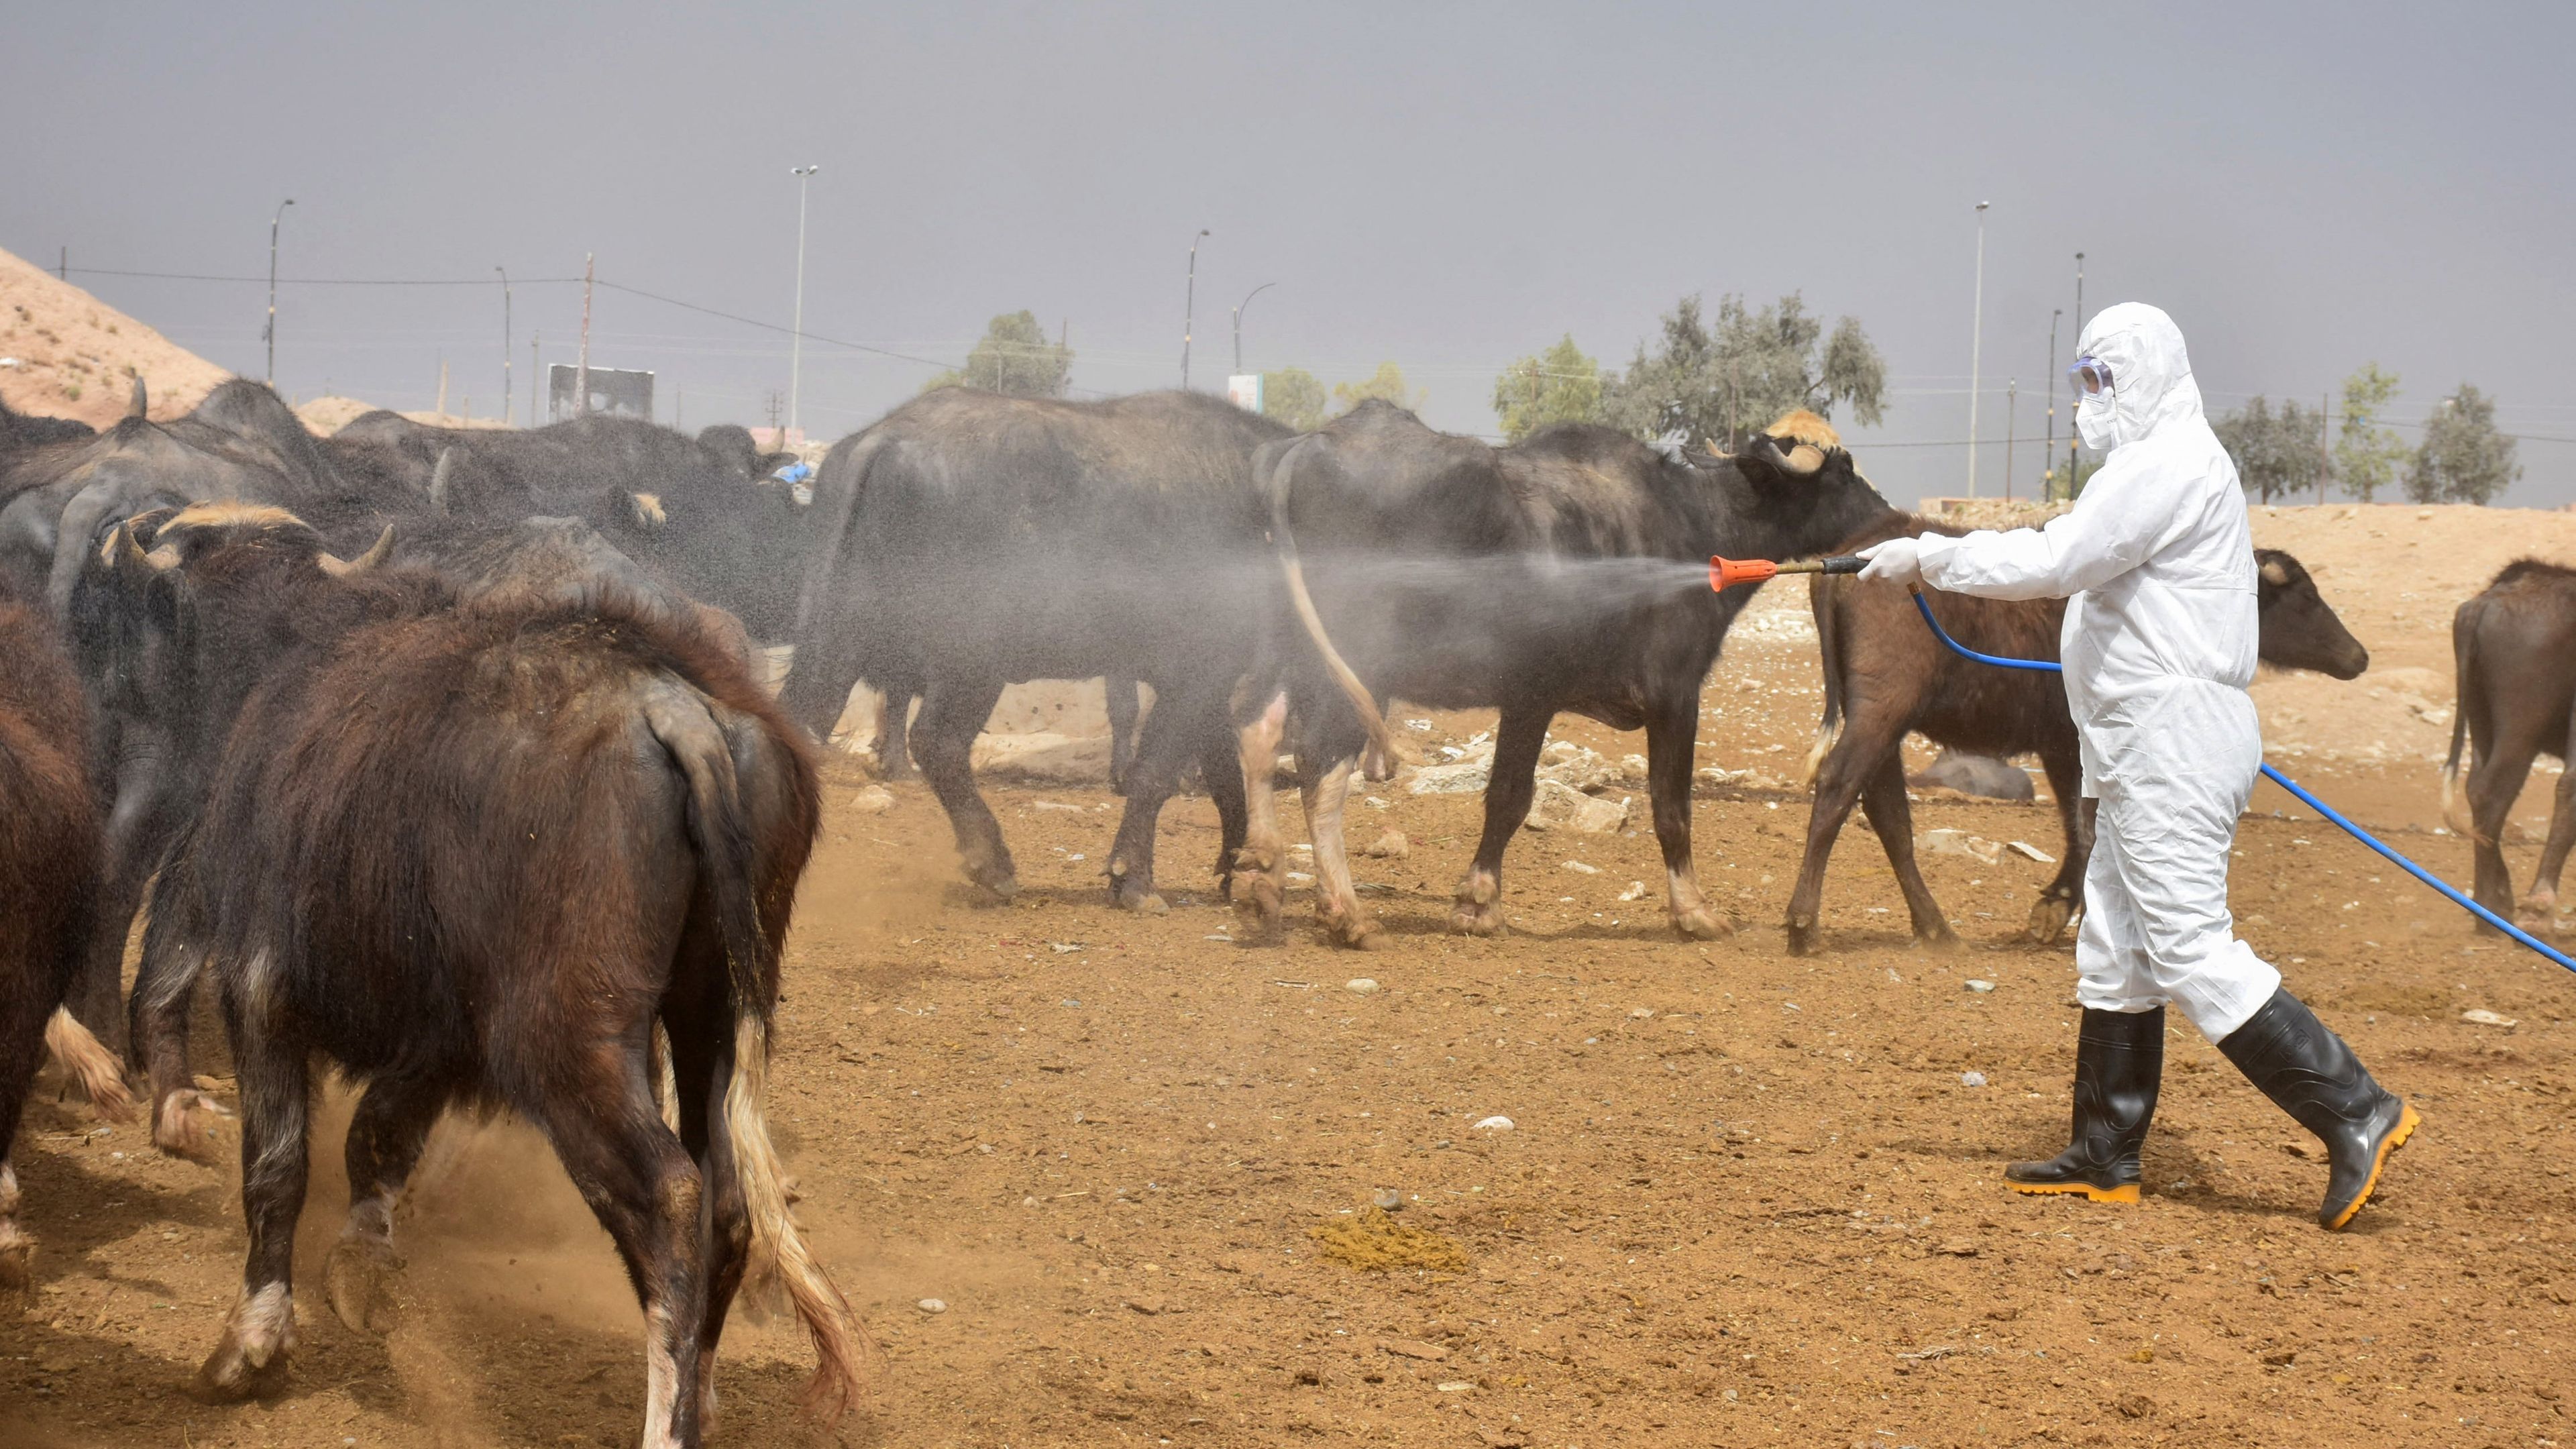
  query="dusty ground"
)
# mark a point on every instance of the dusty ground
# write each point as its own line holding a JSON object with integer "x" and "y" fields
{"x": 1746, "y": 1199}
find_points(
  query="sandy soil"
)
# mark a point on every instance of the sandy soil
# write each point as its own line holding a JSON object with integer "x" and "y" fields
{"x": 1745, "y": 1199}
{"x": 76, "y": 357}
{"x": 330, "y": 413}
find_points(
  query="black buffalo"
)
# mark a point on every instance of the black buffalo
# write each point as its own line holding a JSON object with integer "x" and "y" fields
{"x": 2513, "y": 650}
{"x": 1565, "y": 573}
{"x": 969, "y": 540}
{"x": 477, "y": 854}
{"x": 1886, "y": 675}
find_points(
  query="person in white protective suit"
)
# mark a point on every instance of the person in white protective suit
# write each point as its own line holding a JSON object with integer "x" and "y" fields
{"x": 2157, "y": 562}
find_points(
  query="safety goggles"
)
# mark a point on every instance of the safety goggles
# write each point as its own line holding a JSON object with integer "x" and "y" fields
{"x": 2091, "y": 376}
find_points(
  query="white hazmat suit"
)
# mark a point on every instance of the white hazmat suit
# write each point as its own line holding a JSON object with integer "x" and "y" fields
{"x": 2157, "y": 563}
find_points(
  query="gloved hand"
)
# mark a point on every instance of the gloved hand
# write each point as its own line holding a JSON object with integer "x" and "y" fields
{"x": 1897, "y": 561}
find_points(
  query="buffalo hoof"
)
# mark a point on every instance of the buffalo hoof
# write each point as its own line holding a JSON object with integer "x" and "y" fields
{"x": 359, "y": 1280}
{"x": 1803, "y": 939}
{"x": 2048, "y": 919}
{"x": 250, "y": 1360}
{"x": 1143, "y": 902}
{"x": 1357, "y": 932}
{"x": 1937, "y": 938}
{"x": 17, "y": 1257}
{"x": 189, "y": 1124}
{"x": 1474, "y": 918}
{"x": 1699, "y": 923}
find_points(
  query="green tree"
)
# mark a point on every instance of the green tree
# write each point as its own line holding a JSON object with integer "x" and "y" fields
{"x": 2276, "y": 453}
{"x": 1560, "y": 385}
{"x": 1293, "y": 396}
{"x": 1387, "y": 382}
{"x": 1727, "y": 379}
{"x": 2366, "y": 455}
{"x": 1014, "y": 357}
{"x": 2464, "y": 459}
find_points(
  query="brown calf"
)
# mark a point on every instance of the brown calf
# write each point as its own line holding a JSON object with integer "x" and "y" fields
{"x": 2514, "y": 647}
{"x": 1886, "y": 675}
{"x": 476, "y": 854}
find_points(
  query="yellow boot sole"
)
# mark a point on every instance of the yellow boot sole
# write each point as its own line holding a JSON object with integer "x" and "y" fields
{"x": 2406, "y": 1123}
{"x": 2127, "y": 1193}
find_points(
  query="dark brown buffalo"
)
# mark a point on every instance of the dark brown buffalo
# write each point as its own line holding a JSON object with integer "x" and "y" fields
{"x": 1567, "y": 572}
{"x": 477, "y": 855}
{"x": 969, "y": 540}
{"x": 48, "y": 879}
{"x": 1886, "y": 676}
{"x": 2513, "y": 650}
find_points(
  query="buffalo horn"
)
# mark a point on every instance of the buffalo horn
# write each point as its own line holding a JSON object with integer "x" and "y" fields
{"x": 341, "y": 569}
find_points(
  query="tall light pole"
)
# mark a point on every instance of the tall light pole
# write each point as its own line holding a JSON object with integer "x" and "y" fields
{"x": 1976, "y": 348}
{"x": 2048, "y": 450}
{"x": 1189, "y": 309}
{"x": 2075, "y": 435}
{"x": 505, "y": 342}
{"x": 1238, "y": 321}
{"x": 796, "y": 343}
{"x": 271, "y": 333}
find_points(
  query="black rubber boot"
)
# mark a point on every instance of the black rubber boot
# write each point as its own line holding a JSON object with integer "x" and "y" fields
{"x": 2314, "y": 1077}
{"x": 2119, "y": 1063}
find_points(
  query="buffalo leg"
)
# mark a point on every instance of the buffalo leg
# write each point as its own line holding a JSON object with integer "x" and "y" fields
{"x": 894, "y": 719}
{"x": 2540, "y": 908}
{"x": 1671, "y": 751}
{"x": 1883, "y": 795}
{"x": 29, "y": 989}
{"x": 702, "y": 1063}
{"x": 1179, "y": 722}
{"x": 1866, "y": 740}
{"x": 2493, "y": 786}
{"x": 1518, "y": 736}
{"x": 1325, "y": 791}
{"x": 137, "y": 829}
{"x": 386, "y": 1135}
{"x": 184, "y": 1119}
{"x": 1224, "y": 777}
{"x": 644, "y": 1189}
{"x": 952, "y": 714}
{"x": 270, "y": 1061}
{"x": 1121, "y": 698}
{"x": 1259, "y": 883}
{"x": 2063, "y": 896}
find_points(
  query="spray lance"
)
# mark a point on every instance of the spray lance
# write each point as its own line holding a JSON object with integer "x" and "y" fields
{"x": 1726, "y": 573}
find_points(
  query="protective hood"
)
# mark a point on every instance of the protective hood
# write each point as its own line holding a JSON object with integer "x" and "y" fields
{"x": 2151, "y": 385}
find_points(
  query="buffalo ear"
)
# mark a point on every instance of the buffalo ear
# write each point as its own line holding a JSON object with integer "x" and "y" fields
{"x": 648, "y": 510}
{"x": 2274, "y": 573}
{"x": 349, "y": 568}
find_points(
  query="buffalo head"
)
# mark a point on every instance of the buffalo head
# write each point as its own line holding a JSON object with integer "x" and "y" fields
{"x": 2300, "y": 630}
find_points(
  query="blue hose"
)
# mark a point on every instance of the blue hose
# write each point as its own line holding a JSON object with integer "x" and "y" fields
{"x": 2295, "y": 788}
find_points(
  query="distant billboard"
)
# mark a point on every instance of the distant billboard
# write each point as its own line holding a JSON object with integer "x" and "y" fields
{"x": 1245, "y": 390}
{"x": 614, "y": 391}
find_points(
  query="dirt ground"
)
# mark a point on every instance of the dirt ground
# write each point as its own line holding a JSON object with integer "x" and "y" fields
{"x": 1744, "y": 1199}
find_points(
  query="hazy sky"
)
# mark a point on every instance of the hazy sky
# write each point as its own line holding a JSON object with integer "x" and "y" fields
{"x": 2303, "y": 187}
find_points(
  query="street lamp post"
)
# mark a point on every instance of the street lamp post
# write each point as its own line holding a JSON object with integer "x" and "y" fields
{"x": 2048, "y": 450}
{"x": 1976, "y": 348}
{"x": 1238, "y": 321}
{"x": 796, "y": 343}
{"x": 271, "y": 333}
{"x": 506, "y": 383}
{"x": 1189, "y": 309}
{"x": 2073, "y": 434}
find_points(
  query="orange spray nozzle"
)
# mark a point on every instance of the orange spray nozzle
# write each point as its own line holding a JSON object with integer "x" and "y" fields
{"x": 1726, "y": 573}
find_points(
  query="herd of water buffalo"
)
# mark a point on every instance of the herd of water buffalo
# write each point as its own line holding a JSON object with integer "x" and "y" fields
{"x": 446, "y": 755}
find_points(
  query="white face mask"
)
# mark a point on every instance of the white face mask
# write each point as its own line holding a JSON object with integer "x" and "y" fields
{"x": 2094, "y": 419}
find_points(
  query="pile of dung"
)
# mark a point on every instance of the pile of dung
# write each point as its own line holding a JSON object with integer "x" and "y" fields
{"x": 1374, "y": 1241}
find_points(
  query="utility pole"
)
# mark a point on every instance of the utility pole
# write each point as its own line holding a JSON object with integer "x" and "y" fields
{"x": 505, "y": 346}
{"x": 2048, "y": 450}
{"x": 271, "y": 333}
{"x": 2075, "y": 435}
{"x": 796, "y": 340}
{"x": 536, "y": 340}
{"x": 2012, "y": 401}
{"x": 1238, "y": 321}
{"x": 63, "y": 266}
{"x": 581, "y": 369}
{"x": 442, "y": 391}
{"x": 1976, "y": 348}
{"x": 1189, "y": 309}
